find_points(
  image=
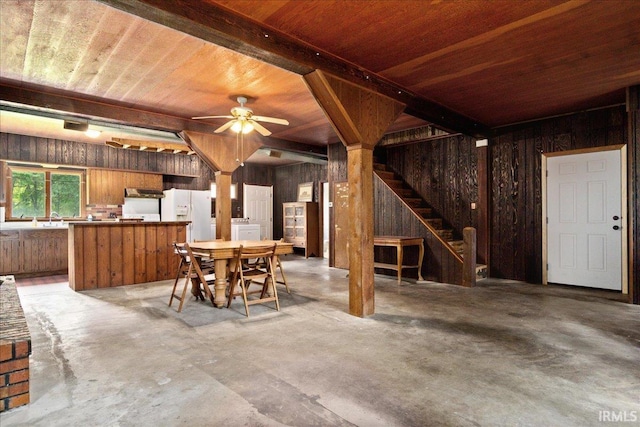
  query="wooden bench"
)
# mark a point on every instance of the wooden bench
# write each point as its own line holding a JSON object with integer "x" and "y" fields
{"x": 399, "y": 243}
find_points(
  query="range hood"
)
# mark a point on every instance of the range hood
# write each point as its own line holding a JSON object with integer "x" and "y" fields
{"x": 142, "y": 193}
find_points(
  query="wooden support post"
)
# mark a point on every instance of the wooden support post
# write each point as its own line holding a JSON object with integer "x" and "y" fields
{"x": 482, "y": 207}
{"x": 223, "y": 205}
{"x": 361, "y": 285}
{"x": 360, "y": 118}
{"x": 469, "y": 262}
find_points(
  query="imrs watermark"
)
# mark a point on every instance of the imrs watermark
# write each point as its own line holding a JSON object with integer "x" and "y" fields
{"x": 607, "y": 416}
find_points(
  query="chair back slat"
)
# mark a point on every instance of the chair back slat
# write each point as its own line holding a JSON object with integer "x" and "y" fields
{"x": 246, "y": 274}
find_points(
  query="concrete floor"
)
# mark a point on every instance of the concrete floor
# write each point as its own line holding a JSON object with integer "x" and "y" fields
{"x": 500, "y": 354}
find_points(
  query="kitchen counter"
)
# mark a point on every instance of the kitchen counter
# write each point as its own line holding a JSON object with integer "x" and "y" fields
{"x": 109, "y": 253}
{"x": 56, "y": 225}
{"x": 30, "y": 251}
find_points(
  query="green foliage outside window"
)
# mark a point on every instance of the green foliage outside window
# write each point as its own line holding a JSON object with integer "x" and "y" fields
{"x": 28, "y": 195}
{"x": 65, "y": 194}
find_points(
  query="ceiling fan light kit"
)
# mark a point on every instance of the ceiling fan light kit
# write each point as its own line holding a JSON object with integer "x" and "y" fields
{"x": 242, "y": 121}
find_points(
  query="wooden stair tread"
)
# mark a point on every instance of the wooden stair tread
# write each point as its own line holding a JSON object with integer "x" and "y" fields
{"x": 417, "y": 204}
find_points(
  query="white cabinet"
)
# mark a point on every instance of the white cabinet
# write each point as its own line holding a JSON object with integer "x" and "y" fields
{"x": 245, "y": 231}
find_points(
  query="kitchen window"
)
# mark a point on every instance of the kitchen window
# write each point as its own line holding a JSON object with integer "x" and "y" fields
{"x": 45, "y": 192}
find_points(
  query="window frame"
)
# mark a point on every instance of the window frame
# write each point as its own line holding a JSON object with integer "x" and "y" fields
{"x": 48, "y": 171}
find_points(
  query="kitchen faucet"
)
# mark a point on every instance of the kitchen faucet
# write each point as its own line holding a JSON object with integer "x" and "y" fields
{"x": 54, "y": 215}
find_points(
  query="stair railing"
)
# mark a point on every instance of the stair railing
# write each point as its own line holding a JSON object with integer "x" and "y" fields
{"x": 467, "y": 262}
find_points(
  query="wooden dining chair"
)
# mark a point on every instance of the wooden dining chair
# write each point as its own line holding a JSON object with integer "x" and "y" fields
{"x": 189, "y": 269}
{"x": 206, "y": 263}
{"x": 260, "y": 262}
{"x": 278, "y": 266}
{"x": 244, "y": 275}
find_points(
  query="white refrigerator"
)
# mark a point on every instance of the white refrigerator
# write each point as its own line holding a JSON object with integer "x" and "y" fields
{"x": 189, "y": 205}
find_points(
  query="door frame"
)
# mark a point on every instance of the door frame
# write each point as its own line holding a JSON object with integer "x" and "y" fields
{"x": 622, "y": 148}
{"x": 246, "y": 200}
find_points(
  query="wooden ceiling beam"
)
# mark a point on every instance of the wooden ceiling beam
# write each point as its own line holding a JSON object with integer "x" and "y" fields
{"x": 100, "y": 110}
{"x": 223, "y": 27}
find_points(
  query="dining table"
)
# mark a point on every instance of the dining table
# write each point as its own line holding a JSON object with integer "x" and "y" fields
{"x": 222, "y": 251}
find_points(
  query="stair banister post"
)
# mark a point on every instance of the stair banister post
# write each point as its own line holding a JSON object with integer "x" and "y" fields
{"x": 469, "y": 260}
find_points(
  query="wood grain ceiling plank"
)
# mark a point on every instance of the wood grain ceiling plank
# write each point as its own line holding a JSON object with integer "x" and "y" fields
{"x": 482, "y": 39}
{"x": 222, "y": 27}
{"x": 14, "y": 39}
{"x": 402, "y": 29}
{"x": 50, "y": 53}
{"x": 97, "y": 48}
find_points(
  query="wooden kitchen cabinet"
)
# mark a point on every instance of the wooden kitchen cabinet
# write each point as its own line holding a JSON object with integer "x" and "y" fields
{"x": 34, "y": 252}
{"x": 300, "y": 226}
{"x": 106, "y": 187}
{"x": 148, "y": 181}
{"x": 10, "y": 259}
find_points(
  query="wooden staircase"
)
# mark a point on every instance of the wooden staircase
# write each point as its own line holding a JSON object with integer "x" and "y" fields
{"x": 435, "y": 223}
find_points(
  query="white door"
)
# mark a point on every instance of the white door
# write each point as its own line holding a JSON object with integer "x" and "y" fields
{"x": 258, "y": 207}
{"x": 584, "y": 211}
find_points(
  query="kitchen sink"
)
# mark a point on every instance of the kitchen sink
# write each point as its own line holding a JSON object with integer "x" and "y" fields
{"x": 53, "y": 224}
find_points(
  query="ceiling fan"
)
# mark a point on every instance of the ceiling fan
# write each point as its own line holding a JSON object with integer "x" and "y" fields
{"x": 243, "y": 120}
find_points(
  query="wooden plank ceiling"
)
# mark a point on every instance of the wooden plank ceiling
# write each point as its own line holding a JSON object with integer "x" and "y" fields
{"x": 467, "y": 64}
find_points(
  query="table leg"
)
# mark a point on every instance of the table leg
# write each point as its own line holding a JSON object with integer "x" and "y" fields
{"x": 220, "y": 285}
{"x": 400, "y": 257}
{"x": 272, "y": 283}
{"x": 420, "y": 257}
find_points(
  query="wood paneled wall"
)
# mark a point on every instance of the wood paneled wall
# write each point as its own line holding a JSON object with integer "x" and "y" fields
{"x": 633, "y": 153}
{"x": 179, "y": 171}
{"x": 45, "y": 150}
{"x": 516, "y": 189}
{"x": 337, "y": 167}
{"x": 286, "y": 180}
{"x": 444, "y": 172}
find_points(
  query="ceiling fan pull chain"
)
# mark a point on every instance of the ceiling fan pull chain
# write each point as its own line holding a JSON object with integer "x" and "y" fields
{"x": 237, "y": 144}
{"x": 242, "y": 147}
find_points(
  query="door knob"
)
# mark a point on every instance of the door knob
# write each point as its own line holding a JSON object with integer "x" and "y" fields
{"x": 616, "y": 227}
{"x": 616, "y": 217}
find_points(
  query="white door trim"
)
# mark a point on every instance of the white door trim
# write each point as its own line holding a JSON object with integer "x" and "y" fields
{"x": 267, "y": 225}
{"x": 623, "y": 191}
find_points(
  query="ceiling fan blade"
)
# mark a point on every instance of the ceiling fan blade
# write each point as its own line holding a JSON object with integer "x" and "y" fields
{"x": 212, "y": 117}
{"x": 261, "y": 129}
{"x": 224, "y": 126}
{"x": 270, "y": 120}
